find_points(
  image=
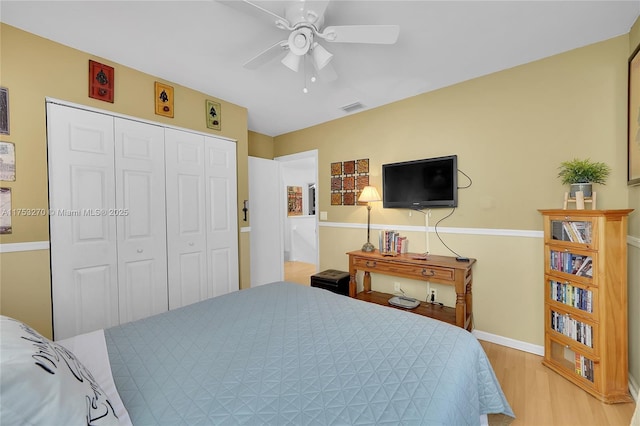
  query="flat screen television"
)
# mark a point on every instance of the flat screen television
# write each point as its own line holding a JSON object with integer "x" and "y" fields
{"x": 426, "y": 183}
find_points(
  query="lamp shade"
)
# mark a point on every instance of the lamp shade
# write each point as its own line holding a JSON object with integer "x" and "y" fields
{"x": 369, "y": 193}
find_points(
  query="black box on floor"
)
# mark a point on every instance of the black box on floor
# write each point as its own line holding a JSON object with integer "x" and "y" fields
{"x": 332, "y": 280}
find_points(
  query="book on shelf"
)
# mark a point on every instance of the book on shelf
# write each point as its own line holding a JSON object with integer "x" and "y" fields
{"x": 570, "y": 263}
{"x": 586, "y": 268}
{"x": 570, "y": 327}
{"x": 584, "y": 367}
{"x": 577, "y": 232}
{"x": 569, "y": 231}
{"x": 390, "y": 241}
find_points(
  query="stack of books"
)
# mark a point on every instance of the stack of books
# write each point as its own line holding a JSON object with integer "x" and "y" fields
{"x": 392, "y": 242}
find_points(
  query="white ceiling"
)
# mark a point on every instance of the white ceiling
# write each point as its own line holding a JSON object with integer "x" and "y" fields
{"x": 203, "y": 45}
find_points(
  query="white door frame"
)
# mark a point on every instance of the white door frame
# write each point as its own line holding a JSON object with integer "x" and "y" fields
{"x": 298, "y": 156}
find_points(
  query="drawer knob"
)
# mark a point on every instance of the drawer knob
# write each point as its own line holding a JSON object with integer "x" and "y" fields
{"x": 430, "y": 274}
{"x": 371, "y": 263}
{"x": 139, "y": 250}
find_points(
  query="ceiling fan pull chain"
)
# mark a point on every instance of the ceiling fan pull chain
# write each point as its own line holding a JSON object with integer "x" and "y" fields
{"x": 304, "y": 74}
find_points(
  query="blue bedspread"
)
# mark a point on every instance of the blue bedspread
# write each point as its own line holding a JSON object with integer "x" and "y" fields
{"x": 284, "y": 353}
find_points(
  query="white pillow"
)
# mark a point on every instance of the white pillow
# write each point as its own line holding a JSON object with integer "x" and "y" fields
{"x": 43, "y": 383}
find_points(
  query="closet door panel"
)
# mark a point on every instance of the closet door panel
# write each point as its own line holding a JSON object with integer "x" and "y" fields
{"x": 186, "y": 227}
{"x": 141, "y": 219}
{"x": 221, "y": 211}
{"x": 83, "y": 233}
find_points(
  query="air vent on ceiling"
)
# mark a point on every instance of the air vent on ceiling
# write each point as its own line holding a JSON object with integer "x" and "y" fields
{"x": 352, "y": 107}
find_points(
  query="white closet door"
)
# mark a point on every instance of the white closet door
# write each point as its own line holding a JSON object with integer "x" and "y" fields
{"x": 140, "y": 215}
{"x": 221, "y": 214}
{"x": 83, "y": 233}
{"x": 186, "y": 227}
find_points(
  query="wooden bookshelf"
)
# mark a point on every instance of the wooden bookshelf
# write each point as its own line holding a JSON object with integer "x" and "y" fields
{"x": 585, "y": 309}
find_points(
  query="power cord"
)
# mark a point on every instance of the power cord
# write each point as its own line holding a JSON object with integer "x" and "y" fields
{"x": 467, "y": 176}
{"x": 436, "y": 230}
{"x": 431, "y": 298}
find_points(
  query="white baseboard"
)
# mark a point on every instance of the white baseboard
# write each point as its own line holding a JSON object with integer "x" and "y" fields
{"x": 509, "y": 343}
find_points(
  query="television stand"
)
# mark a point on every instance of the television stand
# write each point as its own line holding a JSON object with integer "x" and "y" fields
{"x": 438, "y": 269}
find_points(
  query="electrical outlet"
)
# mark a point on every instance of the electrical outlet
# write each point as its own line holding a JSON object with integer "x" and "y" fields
{"x": 433, "y": 295}
{"x": 396, "y": 286}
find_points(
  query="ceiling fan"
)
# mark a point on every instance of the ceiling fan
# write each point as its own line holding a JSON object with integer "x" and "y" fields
{"x": 304, "y": 20}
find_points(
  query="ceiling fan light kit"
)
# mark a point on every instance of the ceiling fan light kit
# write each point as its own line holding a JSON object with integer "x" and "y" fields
{"x": 321, "y": 56}
{"x": 304, "y": 20}
{"x": 292, "y": 61}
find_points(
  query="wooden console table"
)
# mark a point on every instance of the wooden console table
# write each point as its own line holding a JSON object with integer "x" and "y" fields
{"x": 438, "y": 269}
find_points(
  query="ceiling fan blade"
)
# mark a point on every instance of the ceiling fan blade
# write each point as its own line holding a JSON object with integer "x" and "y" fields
{"x": 251, "y": 8}
{"x": 266, "y": 55}
{"x": 376, "y": 34}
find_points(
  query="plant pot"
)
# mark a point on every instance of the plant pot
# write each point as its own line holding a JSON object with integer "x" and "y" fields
{"x": 584, "y": 187}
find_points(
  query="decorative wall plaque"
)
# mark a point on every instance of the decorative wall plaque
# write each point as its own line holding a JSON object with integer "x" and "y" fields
{"x": 213, "y": 111}
{"x": 101, "y": 81}
{"x": 7, "y": 161}
{"x": 348, "y": 179}
{"x": 5, "y": 211}
{"x": 164, "y": 99}
{"x": 4, "y": 111}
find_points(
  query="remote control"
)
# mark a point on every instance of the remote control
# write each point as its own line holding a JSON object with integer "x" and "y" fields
{"x": 462, "y": 259}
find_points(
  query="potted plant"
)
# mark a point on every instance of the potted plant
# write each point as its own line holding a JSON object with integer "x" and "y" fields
{"x": 581, "y": 174}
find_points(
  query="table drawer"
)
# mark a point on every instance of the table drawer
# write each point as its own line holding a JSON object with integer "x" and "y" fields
{"x": 416, "y": 271}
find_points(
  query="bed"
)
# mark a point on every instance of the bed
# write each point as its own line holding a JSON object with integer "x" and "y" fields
{"x": 279, "y": 354}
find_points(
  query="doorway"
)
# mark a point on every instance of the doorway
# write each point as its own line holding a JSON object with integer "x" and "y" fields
{"x": 300, "y": 227}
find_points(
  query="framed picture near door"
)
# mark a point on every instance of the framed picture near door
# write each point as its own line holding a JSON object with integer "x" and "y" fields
{"x": 294, "y": 200}
{"x": 4, "y": 111}
{"x": 634, "y": 119}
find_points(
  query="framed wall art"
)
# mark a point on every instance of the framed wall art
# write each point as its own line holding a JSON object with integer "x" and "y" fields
{"x": 214, "y": 115}
{"x": 633, "y": 140}
{"x": 7, "y": 161}
{"x": 164, "y": 99}
{"x": 348, "y": 179}
{"x": 101, "y": 81}
{"x": 5, "y": 211}
{"x": 294, "y": 200}
{"x": 4, "y": 111}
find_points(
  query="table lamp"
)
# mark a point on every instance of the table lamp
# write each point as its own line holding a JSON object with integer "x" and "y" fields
{"x": 368, "y": 195}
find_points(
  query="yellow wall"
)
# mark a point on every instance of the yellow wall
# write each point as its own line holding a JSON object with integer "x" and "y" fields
{"x": 510, "y": 130}
{"x": 34, "y": 68}
{"x": 634, "y": 255}
{"x": 260, "y": 145}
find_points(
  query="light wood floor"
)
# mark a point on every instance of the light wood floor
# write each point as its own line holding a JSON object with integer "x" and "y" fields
{"x": 299, "y": 272}
{"x": 540, "y": 397}
{"x": 537, "y": 395}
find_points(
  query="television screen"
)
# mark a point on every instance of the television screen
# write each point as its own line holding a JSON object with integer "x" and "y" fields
{"x": 431, "y": 182}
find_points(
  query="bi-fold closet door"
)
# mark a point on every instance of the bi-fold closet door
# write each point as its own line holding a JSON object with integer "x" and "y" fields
{"x": 201, "y": 217}
{"x": 113, "y": 201}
